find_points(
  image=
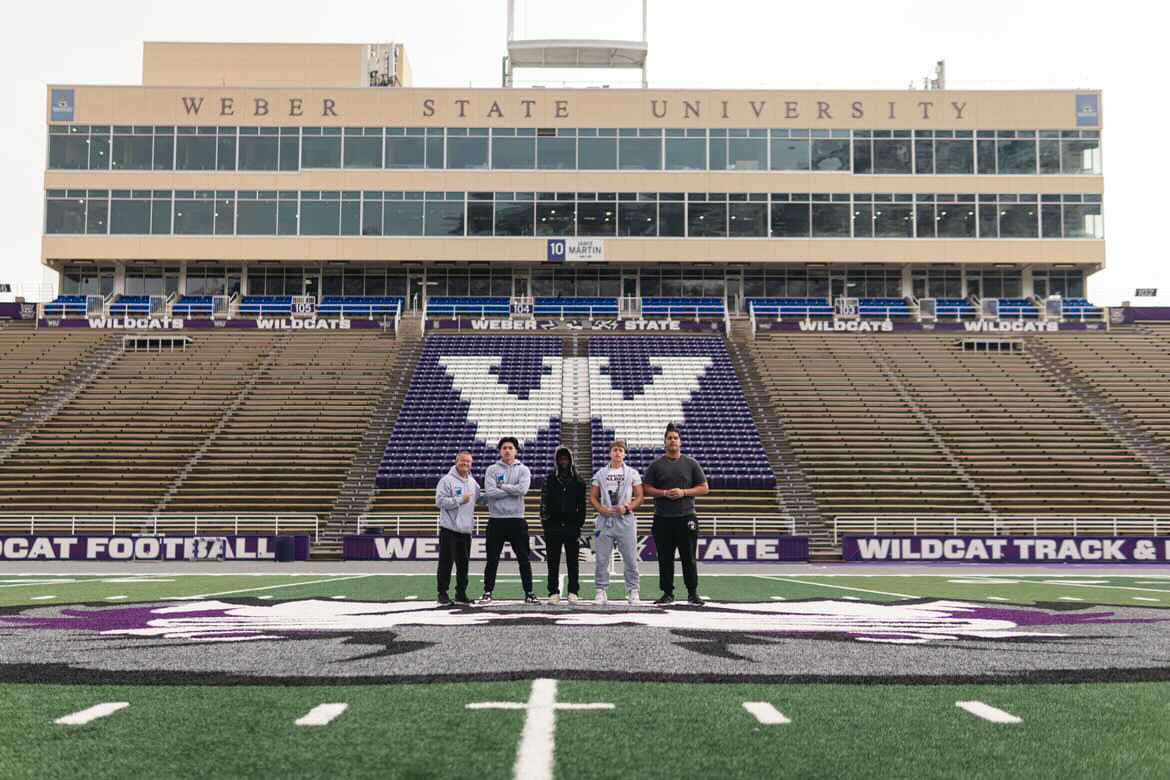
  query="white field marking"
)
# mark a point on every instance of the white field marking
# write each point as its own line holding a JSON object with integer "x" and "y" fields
{"x": 30, "y": 583}
{"x": 40, "y": 598}
{"x": 852, "y": 598}
{"x": 92, "y": 713}
{"x": 534, "y": 759}
{"x": 115, "y": 598}
{"x": 321, "y": 715}
{"x": 1144, "y": 598}
{"x": 836, "y": 587}
{"x": 410, "y": 598}
{"x": 265, "y": 597}
{"x": 996, "y": 598}
{"x": 1075, "y": 582}
{"x": 1116, "y": 587}
{"x": 336, "y": 598}
{"x": 1070, "y": 598}
{"x": 987, "y": 712}
{"x": 765, "y": 713}
{"x": 777, "y": 598}
{"x": 266, "y": 587}
{"x": 984, "y": 581}
{"x": 120, "y": 580}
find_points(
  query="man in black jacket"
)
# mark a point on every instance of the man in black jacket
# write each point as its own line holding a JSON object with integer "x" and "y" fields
{"x": 562, "y": 513}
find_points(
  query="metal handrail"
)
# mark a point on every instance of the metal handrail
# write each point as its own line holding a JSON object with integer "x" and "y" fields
{"x": 708, "y": 524}
{"x": 20, "y": 522}
{"x": 1003, "y": 525}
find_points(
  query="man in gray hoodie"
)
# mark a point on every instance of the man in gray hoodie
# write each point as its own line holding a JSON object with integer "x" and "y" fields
{"x": 455, "y": 495}
{"x": 505, "y": 483}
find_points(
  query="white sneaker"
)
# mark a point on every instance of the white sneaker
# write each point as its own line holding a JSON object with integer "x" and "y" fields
{"x": 634, "y": 596}
{"x": 601, "y": 598}
{"x": 573, "y": 598}
{"x": 554, "y": 599}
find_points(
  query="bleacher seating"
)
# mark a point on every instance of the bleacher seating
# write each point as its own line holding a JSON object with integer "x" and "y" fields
{"x": 266, "y": 305}
{"x": 1017, "y": 309}
{"x": 477, "y": 307}
{"x": 66, "y": 306}
{"x": 883, "y": 307}
{"x": 192, "y": 306}
{"x": 640, "y": 383}
{"x": 960, "y": 308}
{"x": 1081, "y": 309}
{"x": 130, "y": 306}
{"x": 466, "y": 393}
{"x": 576, "y": 307}
{"x": 359, "y": 306}
{"x": 683, "y": 307}
{"x": 33, "y": 361}
{"x": 791, "y": 307}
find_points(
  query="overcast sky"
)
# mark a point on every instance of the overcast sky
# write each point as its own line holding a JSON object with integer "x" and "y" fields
{"x": 729, "y": 44}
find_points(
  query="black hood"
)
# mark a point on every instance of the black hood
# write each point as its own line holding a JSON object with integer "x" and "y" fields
{"x": 556, "y": 456}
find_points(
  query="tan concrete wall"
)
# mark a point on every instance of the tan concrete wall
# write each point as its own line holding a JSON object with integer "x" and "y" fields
{"x": 268, "y": 65}
{"x": 312, "y": 105}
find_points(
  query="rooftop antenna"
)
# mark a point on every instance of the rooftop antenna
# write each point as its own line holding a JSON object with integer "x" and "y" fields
{"x": 572, "y": 52}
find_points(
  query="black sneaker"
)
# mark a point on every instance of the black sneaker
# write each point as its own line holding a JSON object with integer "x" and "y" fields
{"x": 462, "y": 598}
{"x": 666, "y": 599}
{"x": 486, "y": 598}
{"x": 693, "y": 598}
{"x": 444, "y": 599}
{"x": 530, "y": 598}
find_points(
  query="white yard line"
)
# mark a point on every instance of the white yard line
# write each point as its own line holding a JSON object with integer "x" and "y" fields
{"x": 1070, "y": 598}
{"x": 987, "y": 712}
{"x": 92, "y": 713}
{"x": 1143, "y": 598}
{"x": 267, "y": 587}
{"x": 835, "y": 587}
{"x": 116, "y": 598}
{"x": 996, "y": 598}
{"x": 40, "y": 598}
{"x": 765, "y": 713}
{"x": 1115, "y": 587}
{"x": 321, "y": 715}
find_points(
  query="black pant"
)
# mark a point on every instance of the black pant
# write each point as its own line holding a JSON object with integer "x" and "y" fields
{"x": 454, "y": 548}
{"x": 557, "y": 536}
{"x": 514, "y": 531}
{"x": 682, "y": 534}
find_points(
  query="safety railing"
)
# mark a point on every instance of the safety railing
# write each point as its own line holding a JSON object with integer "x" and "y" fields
{"x": 113, "y": 524}
{"x": 399, "y": 524}
{"x": 1003, "y": 525}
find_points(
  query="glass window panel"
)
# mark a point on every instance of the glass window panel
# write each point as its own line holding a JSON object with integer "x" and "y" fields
{"x": 923, "y": 156}
{"x": 164, "y": 150}
{"x": 891, "y": 155}
{"x": 321, "y": 151}
{"x": 925, "y": 220}
{"x": 513, "y": 153}
{"x": 133, "y": 153}
{"x": 256, "y": 218}
{"x": 640, "y": 154}
{"x": 596, "y": 219}
{"x": 403, "y": 218}
{"x": 747, "y": 220}
{"x": 1049, "y": 156}
{"x": 65, "y": 215}
{"x": 830, "y": 155}
{"x": 707, "y": 220}
{"x": 445, "y": 218}
{"x": 1018, "y": 221}
{"x": 555, "y": 219}
{"x": 290, "y": 150}
{"x": 988, "y": 222}
{"x": 637, "y": 219}
{"x": 1080, "y": 220}
{"x": 717, "y": 153}
{"x": 320, "y": 217}
{"x": 467, "y": 152}
{"x": 556, "y": 153}
{"x": 954, "y": 156}
{"x": 194, "y": 217}
{"x": 747, "y": 154}
{"x": 160, "y": 217}
{"x": 225, "y": 216}
{"x": 195, "y": 153}
{"x": 514, "y": 219}
{"x": 434, "y": 153}
{"x": 130, "y": 217}
{"x": 479, "y": 219}
{"x": 286, "y": 218}
{"x": 226, "y": 151}
{"x": 893, "y": 221}
{"x": 830, "y": 220}
{"x": 1050, "y": 221}
{"x": 1018, "y": 156}
{"x": 99, "y": 150}
{"x": 686, "y": 154}
{"x": 597, "y": 154}
{"x": 790, "y": 154}
{"x": 985, "y": 155}
{"x": 405, "y": 151}
{"x": 863, "y": 220}
{"x": 672, "y": 219}
{"x": 363, "y": 151}
{"x": 372, "y": 218}
{"x": 790, "y": 220}
{"x": 351, "y": 217}
{"x": 69, "y": 152}
{"x": 259, "y": 152}
{"x": 955, "y": 220}
{"x": 1080, "y": 156}
{"x": 863, "y": 156}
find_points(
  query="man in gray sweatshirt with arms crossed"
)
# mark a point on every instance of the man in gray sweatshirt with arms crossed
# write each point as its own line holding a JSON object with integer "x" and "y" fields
{"x": 505, "y": 484}
{"x": 455, "y": 495}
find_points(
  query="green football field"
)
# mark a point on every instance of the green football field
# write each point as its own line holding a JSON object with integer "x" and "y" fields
{"x": 572, "y": 725}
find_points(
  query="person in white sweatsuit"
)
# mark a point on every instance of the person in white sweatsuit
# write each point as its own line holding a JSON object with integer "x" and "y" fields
{"x": 616, "y": 494}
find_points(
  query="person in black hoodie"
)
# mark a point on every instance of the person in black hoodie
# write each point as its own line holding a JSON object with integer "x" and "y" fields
{"x": 562, "y": 513}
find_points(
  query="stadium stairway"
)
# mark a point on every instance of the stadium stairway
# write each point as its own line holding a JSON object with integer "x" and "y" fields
{"x": 357, "y": 492}
{"x": 45, "y": 401}
{"x": 1102, "y": 408}
{"x": 576, "y": 430}
{"x": 793, "y": 493}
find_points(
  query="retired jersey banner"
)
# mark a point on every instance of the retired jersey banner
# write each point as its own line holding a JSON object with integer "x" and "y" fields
{"x": 1009, "y": 549}
{"x": 146, "y": 548}
{"x": 711, "y": 549}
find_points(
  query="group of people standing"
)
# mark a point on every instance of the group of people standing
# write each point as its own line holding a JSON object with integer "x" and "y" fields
{"x": 615, "y": 493}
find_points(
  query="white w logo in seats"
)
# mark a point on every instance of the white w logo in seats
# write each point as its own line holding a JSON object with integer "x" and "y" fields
{"x": 640, "y": 420}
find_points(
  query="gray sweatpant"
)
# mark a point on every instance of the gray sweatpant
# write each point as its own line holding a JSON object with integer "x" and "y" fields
{"x": 627, "y": 543}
